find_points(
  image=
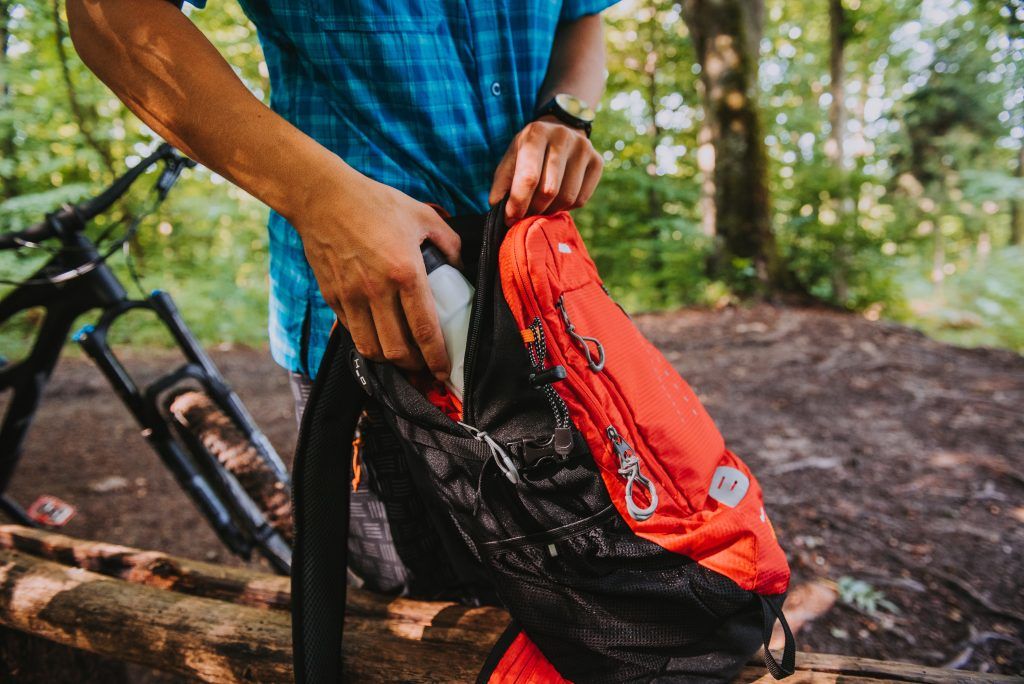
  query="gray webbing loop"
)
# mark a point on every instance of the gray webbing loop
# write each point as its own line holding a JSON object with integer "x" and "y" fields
{"x": 500, "y": 457}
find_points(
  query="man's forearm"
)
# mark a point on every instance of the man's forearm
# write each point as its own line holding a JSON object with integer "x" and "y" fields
{"x": 577, "y": 62}
{"x": 172, "y": 77}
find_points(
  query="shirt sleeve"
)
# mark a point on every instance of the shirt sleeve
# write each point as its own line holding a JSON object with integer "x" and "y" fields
{"x": 575, "y": 9}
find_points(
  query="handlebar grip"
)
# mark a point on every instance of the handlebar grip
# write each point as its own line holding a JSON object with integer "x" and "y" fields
{"x": 74, "y": 218}
{"x": 37, "y": 233}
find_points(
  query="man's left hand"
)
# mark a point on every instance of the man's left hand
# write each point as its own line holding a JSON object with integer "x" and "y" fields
{"x": 548, "y": 167}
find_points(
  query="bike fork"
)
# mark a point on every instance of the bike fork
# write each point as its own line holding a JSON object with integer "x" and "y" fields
{"x": 94, "y": 343}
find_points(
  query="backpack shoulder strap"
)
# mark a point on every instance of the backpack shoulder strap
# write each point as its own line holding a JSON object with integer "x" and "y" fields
{"x": 320, "y": 501}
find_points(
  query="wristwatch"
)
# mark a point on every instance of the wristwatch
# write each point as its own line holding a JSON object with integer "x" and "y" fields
{"x": 570, "y": 110}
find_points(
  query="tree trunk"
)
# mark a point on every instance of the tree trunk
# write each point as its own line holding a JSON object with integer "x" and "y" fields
{"x": 655, "y": 199}
{"x": 836, "y": 65}
{"x": 8, "y": 182}
{"x": 938, "y": 259}
{"x": 81, "y": 117}
{"x": 653, "y": 130}
{"x": 706, "y": 166}
{"x": 1017, "y": 206}
{"x": 727, "y": 35}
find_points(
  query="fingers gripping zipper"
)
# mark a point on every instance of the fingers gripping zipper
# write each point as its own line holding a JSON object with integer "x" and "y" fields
{"x": 629, "y": 467}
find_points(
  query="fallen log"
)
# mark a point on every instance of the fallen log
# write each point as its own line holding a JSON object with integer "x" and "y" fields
{"x": 218, "y": 641}
{"x": 218, "y": 624}
{"x": 152, "y": 568}
{"x": 417, "y": 619}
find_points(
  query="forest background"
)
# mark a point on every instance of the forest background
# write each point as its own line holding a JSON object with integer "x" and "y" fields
{"x": 865, "y": 154}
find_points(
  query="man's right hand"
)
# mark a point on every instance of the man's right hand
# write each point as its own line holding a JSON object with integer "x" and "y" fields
{"x": 368, "y": 264}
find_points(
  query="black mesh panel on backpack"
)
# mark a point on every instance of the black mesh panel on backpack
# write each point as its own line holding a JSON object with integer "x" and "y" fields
{"x": 432, "y": 562}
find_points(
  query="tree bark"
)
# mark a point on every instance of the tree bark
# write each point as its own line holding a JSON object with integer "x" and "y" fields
{"x": 727, "y": 35}
{"x": 836, "y": 65}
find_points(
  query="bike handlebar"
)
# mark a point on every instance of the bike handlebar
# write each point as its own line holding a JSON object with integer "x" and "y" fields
{"x": 74, "y": 217}
{"x": 37, "y": 233}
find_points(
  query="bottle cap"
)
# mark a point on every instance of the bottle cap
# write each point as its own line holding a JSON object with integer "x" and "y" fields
{"x": 433, "y": 259}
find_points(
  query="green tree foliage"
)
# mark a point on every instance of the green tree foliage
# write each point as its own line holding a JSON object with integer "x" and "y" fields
{"x": 914, "y": 219}
{"x": 68, "y": 136}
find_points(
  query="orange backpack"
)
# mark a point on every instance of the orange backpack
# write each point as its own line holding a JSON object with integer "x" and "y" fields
{"x": 584, "y": 476}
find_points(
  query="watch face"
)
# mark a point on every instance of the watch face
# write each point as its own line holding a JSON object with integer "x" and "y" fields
{"x": 575, "y": 106}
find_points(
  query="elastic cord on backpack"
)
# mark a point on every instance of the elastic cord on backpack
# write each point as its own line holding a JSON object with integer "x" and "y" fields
{"x": 582, "y": 340}
{"x": 771, "y": 608}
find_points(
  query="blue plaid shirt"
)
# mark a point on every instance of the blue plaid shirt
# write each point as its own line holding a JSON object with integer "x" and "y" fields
{"x": 422, "y": 95}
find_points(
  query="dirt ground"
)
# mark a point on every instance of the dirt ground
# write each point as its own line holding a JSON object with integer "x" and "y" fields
{"x": 893, "y": 469}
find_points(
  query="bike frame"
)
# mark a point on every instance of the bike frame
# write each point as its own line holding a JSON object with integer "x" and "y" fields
{"x": 225, "y": 504}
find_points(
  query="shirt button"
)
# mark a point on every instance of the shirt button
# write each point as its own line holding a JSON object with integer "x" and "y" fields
{"x": 495, "y": 89}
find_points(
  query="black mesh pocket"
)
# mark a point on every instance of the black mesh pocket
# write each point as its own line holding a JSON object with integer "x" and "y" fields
{"x": 607, "y": 606}
{"x": 394, "y": 545}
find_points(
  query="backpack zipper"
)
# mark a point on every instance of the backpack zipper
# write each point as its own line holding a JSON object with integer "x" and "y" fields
{"x": 479, "y": 300}
{"x": 537, "y": 348}
{"x": 629, "y": 461}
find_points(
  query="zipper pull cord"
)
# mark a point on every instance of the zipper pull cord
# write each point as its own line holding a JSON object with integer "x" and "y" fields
{"x": 536, "y": 345}
{"x": 498, "y": 454}
{"x": 629, "y": 467}
{"x": 583, "y": 340}
{"x": 635, "y": 511}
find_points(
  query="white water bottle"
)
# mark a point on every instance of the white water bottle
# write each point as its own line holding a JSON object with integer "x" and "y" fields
{"x": 453, "y": 296}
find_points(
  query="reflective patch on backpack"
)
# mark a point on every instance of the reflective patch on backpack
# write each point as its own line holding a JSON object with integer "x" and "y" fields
{"x": 357, "y": 370}
{"x": 728, "y": 486}
{"x": 564, "y": 248}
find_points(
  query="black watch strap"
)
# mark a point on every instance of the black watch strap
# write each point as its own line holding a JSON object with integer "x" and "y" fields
{"x": 552, "y": 108}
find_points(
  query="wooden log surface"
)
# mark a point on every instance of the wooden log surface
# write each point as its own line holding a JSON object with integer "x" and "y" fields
{"x": 435, "y": 620}
{"x": 152, "y": 568}
{"x": 220, "y": 624}
{"x": 218, "y": 641}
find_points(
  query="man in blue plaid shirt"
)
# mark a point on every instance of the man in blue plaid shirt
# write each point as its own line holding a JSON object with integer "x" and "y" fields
{"x": 377, "y": 107}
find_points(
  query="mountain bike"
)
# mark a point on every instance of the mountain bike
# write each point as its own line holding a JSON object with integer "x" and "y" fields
{"x": 189, "y": 415}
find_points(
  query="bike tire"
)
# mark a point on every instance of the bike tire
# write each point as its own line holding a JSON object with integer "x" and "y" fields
{"x": 194, "y": 412}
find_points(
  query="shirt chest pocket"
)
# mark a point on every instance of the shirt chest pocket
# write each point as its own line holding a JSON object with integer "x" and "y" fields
{"x": 374, "y": 16}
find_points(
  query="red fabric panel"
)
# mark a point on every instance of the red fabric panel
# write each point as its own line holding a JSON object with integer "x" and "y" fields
{"x": 523, "y": 663}
{"x": 645, "y": 399}
{"x": 437, "y": 393}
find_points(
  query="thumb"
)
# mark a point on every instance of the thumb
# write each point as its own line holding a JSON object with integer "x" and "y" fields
{"x": 503, "y": 176}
